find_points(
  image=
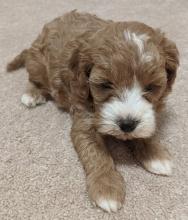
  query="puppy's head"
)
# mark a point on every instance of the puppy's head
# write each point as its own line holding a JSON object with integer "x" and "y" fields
{"x": 128, "y": 70}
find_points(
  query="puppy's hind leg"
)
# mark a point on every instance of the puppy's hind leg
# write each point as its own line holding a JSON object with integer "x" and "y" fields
{"x": 33, "y": 96}
{"x": 38, "y": 87}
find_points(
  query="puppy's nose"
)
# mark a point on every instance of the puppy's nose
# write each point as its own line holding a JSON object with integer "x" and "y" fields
{"x": 128, "y": 125}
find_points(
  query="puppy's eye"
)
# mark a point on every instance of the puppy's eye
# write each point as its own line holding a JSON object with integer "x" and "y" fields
{"x": 105, "y": 85}
{"x": 151, "y": 88}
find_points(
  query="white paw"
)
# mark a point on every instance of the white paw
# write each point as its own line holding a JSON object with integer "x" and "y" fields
{"x": 28, "y": 100}
{"x": 31, "y": 101}
{"x": 162, "y": 167}
{"x": 108, "y": 205}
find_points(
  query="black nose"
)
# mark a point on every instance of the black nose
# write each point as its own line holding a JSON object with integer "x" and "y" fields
{"x": 128, "y": 125}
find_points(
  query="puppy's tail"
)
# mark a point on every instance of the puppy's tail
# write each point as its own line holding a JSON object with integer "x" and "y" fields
{"x": 17, "y": 62}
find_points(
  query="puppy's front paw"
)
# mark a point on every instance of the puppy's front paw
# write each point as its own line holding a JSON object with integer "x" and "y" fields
{"x": 108, "y": 204}
{"x": 159, "y": 166}
{"x": 31, "y": 101}
{"x": 107, "y": 190}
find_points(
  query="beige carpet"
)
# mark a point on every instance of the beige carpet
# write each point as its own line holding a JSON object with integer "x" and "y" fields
{"x": 40, "y": 174}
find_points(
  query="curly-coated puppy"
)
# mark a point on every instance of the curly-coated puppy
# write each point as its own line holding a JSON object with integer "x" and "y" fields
{"x": 112, "y": 77}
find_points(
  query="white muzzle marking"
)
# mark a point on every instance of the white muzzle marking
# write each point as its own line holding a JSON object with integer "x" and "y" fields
{"x": 130, "y": 103}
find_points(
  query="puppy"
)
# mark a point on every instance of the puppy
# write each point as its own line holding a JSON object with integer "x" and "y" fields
{"x": 113, "y": 78}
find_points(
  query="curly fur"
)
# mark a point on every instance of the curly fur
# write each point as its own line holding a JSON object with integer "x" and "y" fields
{"x": 103, "y": 73}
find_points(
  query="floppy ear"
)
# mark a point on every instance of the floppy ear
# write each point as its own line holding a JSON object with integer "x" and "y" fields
{"x": 171, "y": 55}
{"x": 81, "y": 65}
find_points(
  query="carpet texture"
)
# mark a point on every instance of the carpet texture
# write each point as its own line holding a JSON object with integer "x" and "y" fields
{"x": 40, "y": 174}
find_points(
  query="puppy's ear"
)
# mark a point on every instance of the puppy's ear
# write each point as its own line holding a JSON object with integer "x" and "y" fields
{"x": 81, "y": 65}
{"x": 171, "y": 55}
